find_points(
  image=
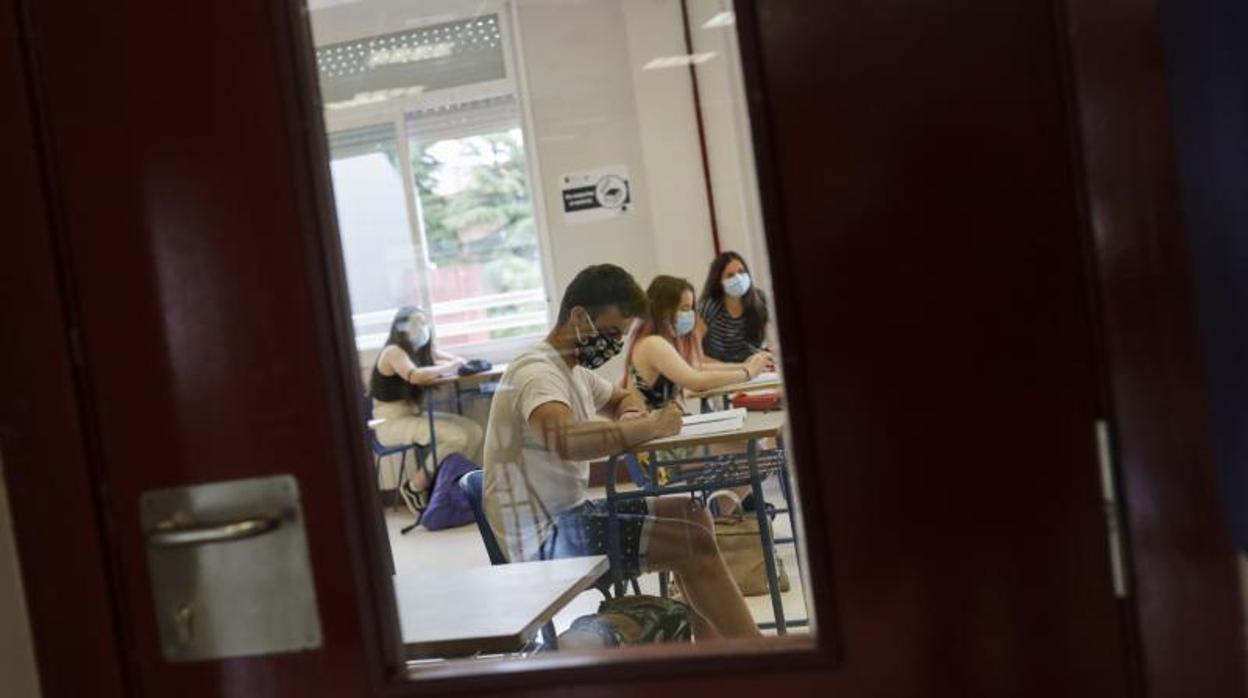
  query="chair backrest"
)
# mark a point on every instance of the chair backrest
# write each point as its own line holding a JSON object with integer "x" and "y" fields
{"x": 635, "y": 472}
{"x": 473, "y": 484}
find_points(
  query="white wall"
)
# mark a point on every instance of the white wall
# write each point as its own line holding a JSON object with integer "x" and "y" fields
{"x": 565, "y": 76}
{"x": 584, "y": 116}
{"x": 730, "y": 150}
{"x": 18, "y": 678}
{"x": 668, "y": 129}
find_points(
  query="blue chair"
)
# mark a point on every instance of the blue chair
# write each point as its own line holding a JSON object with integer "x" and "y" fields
{"x": 472, "y": 484}
{"x": 419, "y": 453}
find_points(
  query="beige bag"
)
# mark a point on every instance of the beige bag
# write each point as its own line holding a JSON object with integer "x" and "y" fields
{"x": 742, "y": 547}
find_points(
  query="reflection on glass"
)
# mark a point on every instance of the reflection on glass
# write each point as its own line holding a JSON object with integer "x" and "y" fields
{"x": 373, "y": 222}
{"x": 536, "y": 215}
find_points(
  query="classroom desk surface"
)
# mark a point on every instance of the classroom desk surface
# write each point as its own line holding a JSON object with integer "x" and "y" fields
{"x": 758, "y": 425}
{"x": 747, "y": 387}
{"x": 460, "y": 612}
{"x": 475, "y": 379}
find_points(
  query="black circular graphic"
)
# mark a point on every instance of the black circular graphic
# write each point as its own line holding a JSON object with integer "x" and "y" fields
{"x": 612, "y": 191}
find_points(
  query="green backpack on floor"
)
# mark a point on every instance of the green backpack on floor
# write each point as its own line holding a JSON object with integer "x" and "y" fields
{"x": 629, "y": 620}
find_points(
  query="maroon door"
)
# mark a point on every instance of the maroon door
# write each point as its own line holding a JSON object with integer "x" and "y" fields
{"x": 175, "y": 278}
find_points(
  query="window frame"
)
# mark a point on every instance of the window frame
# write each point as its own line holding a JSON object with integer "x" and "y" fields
{"x": 395, "y": 112}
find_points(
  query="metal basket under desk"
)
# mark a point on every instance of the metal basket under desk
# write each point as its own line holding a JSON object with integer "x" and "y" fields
{"x": 699, "y": 476}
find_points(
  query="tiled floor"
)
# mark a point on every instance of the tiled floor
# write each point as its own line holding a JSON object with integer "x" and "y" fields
{"x": 462, "y": 547}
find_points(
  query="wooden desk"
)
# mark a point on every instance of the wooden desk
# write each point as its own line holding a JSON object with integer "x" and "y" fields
{"x": 733, "y": 389}
{"x": 461, "y": 612}
{"x": 472, "y": 380}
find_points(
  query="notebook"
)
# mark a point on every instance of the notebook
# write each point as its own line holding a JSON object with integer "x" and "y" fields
{"x": 713, "y": 422}
{"x": 764, "y": 377}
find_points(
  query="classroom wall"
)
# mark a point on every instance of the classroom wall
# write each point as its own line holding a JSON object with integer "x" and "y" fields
{"x": 671, "y": 183}
{"x": 584, "y": 117}
{"x": 730, "y": 149}
{"x": 18, "y": 677}
{"x": 666, "y": 123}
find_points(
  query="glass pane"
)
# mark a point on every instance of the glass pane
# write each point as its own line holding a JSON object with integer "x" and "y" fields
{"x": 373, "y": 224}
{"x": 477, "y": 217}
{"x": 563, "y": 194}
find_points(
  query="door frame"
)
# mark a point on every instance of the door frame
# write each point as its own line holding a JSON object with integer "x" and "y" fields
{"x": 1166, "y": 469}
{"x": 1187, "y": 599}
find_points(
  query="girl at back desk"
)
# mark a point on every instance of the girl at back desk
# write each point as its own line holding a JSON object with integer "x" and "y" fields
{"x": 734, "y": 310}
{"x": 665, "y": 357}
{"x": 407, "y": 365}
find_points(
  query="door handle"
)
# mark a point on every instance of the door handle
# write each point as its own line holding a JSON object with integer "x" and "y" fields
{"x": 173, "y": 534}
{"x": 229, "y": 569}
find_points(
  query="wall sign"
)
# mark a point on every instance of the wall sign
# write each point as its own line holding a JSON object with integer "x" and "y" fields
{"x": 595, "y": 195}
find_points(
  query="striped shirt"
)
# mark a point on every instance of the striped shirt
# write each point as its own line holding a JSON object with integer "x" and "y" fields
{"x": 725, "y": 338}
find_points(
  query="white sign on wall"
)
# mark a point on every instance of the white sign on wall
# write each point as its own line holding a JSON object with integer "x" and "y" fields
{"x": 595, "y": 195}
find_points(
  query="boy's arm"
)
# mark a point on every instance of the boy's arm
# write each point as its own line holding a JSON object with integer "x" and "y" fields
{"x": 625, "y": 404}
{"x": 557, "y": 429}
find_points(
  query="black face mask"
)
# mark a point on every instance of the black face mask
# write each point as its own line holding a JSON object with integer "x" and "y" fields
{"x": 596, "y": 350}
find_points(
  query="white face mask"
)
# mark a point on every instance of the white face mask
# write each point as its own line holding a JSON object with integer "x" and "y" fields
{"x": 737, "y": 285}
{"x": 421, "y": 336}
{"x": 418, "y": 332}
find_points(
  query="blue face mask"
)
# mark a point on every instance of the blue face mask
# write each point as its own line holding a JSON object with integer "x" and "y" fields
{"x": 684, "y": 322}
{"x": 737, "y": 285}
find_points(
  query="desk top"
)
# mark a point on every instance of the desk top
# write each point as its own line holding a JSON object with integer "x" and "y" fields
{"x": 758, "y": 425}
{"x": 475, "y": 379}
{"x": 747, "y": 387}
{"x": 459, "y": 612}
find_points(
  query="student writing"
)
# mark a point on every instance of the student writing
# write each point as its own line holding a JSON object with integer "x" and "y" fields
{"x": 665, "y": 356}
{"x": 552, "y": 415}
{"x": 734, "y": 310}
{"x": 407, "y": 364}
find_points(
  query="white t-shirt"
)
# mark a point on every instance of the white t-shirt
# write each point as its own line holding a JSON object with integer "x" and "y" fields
{"x": 527, "y": 485}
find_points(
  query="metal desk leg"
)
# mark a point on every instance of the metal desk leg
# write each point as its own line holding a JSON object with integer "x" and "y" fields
{"x": 764, "y": 530}
{"x": 786, "y": 484}
{"x": 433, "y": 439}
{"x": 613, "y": 530}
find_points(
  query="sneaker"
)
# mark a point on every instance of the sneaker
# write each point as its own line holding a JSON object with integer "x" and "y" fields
{"x": 415, "y": 499}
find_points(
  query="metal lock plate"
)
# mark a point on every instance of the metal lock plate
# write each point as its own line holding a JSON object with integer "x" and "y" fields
{"x": 229, "y": 569}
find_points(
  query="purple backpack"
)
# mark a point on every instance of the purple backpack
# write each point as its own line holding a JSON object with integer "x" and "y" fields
{"x": 448, "y": 505}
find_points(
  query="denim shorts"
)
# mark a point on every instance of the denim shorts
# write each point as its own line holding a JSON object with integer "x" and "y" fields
{"x": 582, "y": 531}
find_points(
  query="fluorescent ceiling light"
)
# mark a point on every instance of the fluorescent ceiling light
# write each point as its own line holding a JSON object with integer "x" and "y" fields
{"x": 722, "y": 19}
{"x": 410, "y": 54}
{"x": 679, "y": 61}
